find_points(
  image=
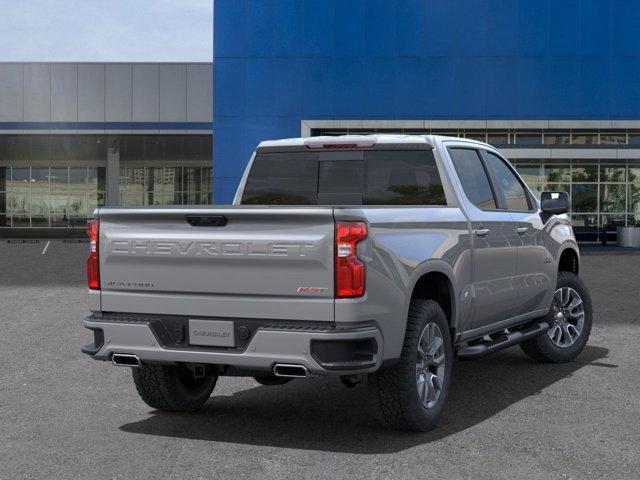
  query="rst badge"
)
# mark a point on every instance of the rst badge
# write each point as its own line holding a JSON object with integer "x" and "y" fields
{"x": 311, "y": 289}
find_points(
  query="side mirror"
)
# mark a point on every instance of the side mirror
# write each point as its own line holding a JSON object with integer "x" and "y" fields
{"x": 555, "y": 203}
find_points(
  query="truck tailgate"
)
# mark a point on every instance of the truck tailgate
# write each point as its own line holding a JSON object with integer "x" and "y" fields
{"x": 237, "y": 262}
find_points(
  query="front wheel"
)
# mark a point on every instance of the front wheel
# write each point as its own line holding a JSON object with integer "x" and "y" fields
{"x": 570, "y": 318}
{"x": 172, "y": 388}
{"x": 411, "y": 395}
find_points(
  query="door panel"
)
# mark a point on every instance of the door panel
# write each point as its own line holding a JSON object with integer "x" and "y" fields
{"x": 535, "y": 268}
{"x": 495, "y": 268}
{"x": 495, "y": 246}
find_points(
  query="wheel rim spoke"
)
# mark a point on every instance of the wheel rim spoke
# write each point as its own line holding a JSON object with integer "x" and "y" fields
{"x": 430, "y": 364}
{"x": 568, "y": 317}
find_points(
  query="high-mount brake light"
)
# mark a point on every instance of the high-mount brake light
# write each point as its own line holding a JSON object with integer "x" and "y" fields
{"x": 93, "y": 262}
{"x": 337, "y": 143}
{"x": 349, "y": 269}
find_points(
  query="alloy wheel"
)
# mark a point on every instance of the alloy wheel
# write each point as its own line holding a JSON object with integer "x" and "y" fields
{"x": 430, "y": 365}
{"x": 568, "y": 317}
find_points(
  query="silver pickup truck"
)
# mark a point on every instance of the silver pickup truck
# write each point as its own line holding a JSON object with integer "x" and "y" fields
{"x": 377, "y": 257}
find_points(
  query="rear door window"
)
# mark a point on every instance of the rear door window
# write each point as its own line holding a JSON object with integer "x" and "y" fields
{"x": 379, "y": 177}
{"x": 473, "y": 177}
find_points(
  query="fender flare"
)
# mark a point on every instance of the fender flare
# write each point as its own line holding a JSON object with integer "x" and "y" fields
{"x": 434, "y": 266}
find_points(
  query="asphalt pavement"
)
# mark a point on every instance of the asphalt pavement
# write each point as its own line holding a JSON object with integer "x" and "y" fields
{"x": 63, "y": 415}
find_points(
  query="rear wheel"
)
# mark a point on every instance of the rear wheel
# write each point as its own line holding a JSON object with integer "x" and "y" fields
{"x": 411, "y": 395}
{"x": 570, "y": 319}
{"x": 172, "y": 388}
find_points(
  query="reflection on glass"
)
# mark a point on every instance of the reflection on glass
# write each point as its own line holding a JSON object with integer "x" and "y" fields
{"x": 480, "y": 136}
{"x": 497, "y": 138}
{"x": 20, "y": 221}
{"x": 557, "y": 187}
{"x": 78, "y": 178}
{"x": 584, "y": 220}
{"x": 557, "y": 173}
{"x": 612, "y": 220}
{"x": 77, "y": 204}
{"x": 559, "y": 138}
{"x": 584, "y": 173}
{"x": 585, "y": 138}
{"x": 612, "y": 198}
{"x": 614, "y": 173}
{"x": 529, "y": 139}
{"x": 584, "y": 197}
{"x": 613, "y": 138}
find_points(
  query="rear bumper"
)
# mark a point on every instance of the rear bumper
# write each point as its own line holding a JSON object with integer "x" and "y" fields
{"x": 271, "y": 345}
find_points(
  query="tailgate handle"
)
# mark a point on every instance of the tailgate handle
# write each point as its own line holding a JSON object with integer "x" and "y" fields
{"x": 207, "y": 220}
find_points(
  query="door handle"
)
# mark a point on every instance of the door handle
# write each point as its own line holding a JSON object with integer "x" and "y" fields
{"x": 522, "y": 230}
{"x": 481, "y": 232}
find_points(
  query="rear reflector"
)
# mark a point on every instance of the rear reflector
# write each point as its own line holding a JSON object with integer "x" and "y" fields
{"x": 349, "y": 270}
{"x": 93, "y": 262}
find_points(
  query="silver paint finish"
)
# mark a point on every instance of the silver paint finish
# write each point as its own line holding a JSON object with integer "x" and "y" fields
{"x": 153, "y": 261}
{"x": 267, "y": 347}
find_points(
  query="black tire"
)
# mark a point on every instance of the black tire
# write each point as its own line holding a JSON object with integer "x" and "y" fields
{"x": 272, "y": 380}
{"x": 542, "y": 348}
{"x": 171, "y": 388}
{"x": 393, "y": 391}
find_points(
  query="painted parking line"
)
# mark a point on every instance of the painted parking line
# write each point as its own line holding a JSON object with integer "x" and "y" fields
{"x": 45, "y": 247}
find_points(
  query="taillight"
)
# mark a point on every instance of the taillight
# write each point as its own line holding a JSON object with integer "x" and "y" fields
{"x": 349, "y": 270}
{"x": 93, "y": 262}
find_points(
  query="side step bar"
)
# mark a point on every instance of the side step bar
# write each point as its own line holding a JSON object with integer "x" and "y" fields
{"x": 505, "y": 340}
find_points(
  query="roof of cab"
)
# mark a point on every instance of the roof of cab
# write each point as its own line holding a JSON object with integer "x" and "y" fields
{"x": 362, "y": 141}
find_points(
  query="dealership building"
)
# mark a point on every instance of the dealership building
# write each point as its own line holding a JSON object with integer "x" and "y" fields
{"x": 74, "y": 136}
{"x": 554, "y": 85}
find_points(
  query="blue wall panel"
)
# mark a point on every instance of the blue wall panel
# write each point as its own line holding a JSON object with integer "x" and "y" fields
{"x": 278, "y": 62}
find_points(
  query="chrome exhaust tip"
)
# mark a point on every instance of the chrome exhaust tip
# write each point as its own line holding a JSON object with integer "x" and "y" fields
{"x": 125, "y": 360}
{"x": 290, "y": 371}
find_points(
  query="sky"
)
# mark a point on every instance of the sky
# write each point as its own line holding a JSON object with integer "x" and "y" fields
{"x": 106, "y": 30}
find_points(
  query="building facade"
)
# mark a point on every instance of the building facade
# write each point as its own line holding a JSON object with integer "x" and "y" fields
{"x": 74, "y": 136}
{"x": 552, "y": 84}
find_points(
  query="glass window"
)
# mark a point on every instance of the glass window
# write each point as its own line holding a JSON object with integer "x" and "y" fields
{"x": 612, "y": 198}
{"x": 78, "y": 178}
{"x": 557, "y": 138}
{"x": 612, "y": 220}
{"x": 498, "y": 138}
{"x": 584, "y": 173}
{"x": 377, "y": 178}
{"x": 580, "y": 138}
{"x": 473, "y": 177}
{"x": 634, "y": 139}
{"x": 613, "y": 138}
{"x": 513, "y": 191}
{"x": 589, "y": 221}
{"x": 556, "y": 173}
{"x": 480, "y": 135}
{"x": 402, "y": 178}
{"x": 530, "y": 173}
{"x": 282, "y": 179}
{"x": 528, "y": 139}
{"x": 613, "y": 173}
{"x": 584, "y": 197}
{"x": 40, "y": 181}
{"x": 558, "y": 187}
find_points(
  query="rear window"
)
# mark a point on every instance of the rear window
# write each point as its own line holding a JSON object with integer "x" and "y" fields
{"x": 378, "y": 177}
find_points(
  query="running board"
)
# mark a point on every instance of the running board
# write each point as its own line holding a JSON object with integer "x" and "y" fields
{"x": 505, "y": 340}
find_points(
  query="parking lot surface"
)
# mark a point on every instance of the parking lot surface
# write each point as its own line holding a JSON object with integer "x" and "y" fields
{"x": 63, "y": 415}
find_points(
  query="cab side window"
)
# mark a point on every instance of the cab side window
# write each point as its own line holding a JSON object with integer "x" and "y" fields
{"x": 473, "y": 177}
{"x": 514, "y": 193}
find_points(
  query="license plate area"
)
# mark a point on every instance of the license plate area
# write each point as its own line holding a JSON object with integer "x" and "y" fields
{"x": 211, "y": 333}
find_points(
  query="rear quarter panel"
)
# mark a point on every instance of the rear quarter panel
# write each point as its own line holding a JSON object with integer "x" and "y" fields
{"x": 402, "y": 245}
